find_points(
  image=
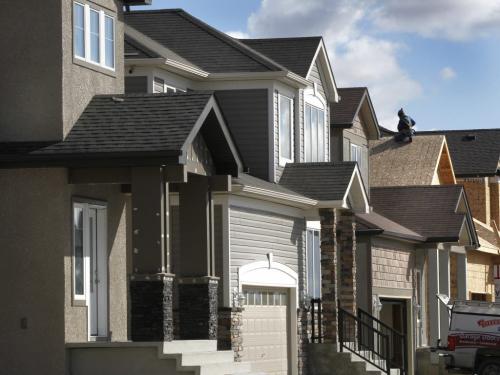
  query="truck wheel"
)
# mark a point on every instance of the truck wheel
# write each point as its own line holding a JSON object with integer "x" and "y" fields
{"x": 490, "y": 367}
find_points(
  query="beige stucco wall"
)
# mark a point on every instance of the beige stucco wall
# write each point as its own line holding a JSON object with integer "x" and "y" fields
{"x": 35, "y": 239}
{"x": 392, "y": 265}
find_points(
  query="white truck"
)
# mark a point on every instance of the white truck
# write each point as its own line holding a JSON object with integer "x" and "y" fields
{"x": 474, "y": 338}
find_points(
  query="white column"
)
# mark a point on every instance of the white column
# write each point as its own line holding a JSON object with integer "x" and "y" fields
{"x": 444, "y": 288}
{"x": 462, "y": 276}
{"x": 434, "y": 311}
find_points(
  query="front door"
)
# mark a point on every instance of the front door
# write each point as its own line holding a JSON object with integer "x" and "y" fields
{"x": 97, "y": 272}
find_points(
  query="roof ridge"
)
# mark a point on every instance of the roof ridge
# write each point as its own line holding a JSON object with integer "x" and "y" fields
{"x": 143, "y": 11}
{"x": 284, "y": 38}
{"x": 458, "y": 130}
{"x": 233, "y": 42}
{"x": 417, "y": 187}
{"x": 144, "y": 95}
{"x": 353, "y": 88}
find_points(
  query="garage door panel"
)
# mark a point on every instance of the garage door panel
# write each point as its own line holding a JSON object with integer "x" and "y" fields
{"x": 265, "y": 330}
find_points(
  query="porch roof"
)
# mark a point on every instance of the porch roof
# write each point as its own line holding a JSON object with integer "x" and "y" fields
{"x": 373, "y": 220}
{"x": 435, "y": 212}
{"x": 132, "y": 129}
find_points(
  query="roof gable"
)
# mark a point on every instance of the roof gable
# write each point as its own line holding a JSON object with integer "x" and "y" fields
{"x": 474, "y": 152}
{"x": 417, "y": 163}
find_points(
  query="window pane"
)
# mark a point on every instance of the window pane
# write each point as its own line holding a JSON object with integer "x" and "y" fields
{"x": 79, "y": 30}
{"x": 317, "y": 265}
{"x": 94, "y": 36}
{"x": 321, "y": 135}
{"x": 285, "y": 133}
{"x": 158, "y": 85}
{"x": 109, "y": 42}
{"x": 307, "y": 133}
{"x": 314, "y": 134}
{"x": 78, "y": 250}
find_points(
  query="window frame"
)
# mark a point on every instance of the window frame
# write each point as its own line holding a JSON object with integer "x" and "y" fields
{"x": 316, "y": 102}
{"x": 87, "y": 9}
{"x": 358, "y": 153}
{"x": 310, "y": 289}
{"x": 283, "y": 160}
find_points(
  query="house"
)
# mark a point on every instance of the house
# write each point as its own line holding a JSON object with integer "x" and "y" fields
{"x": 414, "y": 185}
{"x": 153, "y": 205}
{"x": 475, "y": 154}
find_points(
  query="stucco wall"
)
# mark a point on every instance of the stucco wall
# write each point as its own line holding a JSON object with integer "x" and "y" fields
{"x": 392, "y": 265}
{"x": 33, "y": 240}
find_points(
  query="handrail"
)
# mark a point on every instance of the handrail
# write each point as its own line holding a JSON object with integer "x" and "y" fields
{"x": 371, "y": 317}
{"x": 364, "y": 340}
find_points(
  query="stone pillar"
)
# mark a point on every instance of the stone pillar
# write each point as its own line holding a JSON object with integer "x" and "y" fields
{"x": 329, "y": 274}
{"x": 230, "y": 335}
{"x": 151, "y": 300}
{"x": 304, "y": 331}
{"x": 197, "y": 284}
{"x": 346, "y": 243}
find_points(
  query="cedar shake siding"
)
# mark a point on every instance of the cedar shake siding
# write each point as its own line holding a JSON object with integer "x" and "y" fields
{"x": 392, "y": 265}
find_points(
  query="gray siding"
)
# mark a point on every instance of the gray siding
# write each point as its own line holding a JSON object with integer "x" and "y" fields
{"x": 357, "y": 135}
{"x": 255, "y": 233}
{"x": 315, "y": 76}
{"x": 136, "y": 84}
{"x": 246, "y": 112}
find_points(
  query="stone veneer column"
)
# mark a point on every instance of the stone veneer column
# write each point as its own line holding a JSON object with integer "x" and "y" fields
{"x": 230, "y": 335}
{"x": 198, "y": 308}
{"x": 346, "y": 243}
{"x": 329, "y": 274}
{"x": 304, "y": 331}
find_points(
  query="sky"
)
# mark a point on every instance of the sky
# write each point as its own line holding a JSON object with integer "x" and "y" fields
{"x": 438, "y": 59}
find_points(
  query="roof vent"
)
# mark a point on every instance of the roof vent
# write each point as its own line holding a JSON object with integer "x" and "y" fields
{"x": 469, "y": 137}
{"x": 117, "y": 99}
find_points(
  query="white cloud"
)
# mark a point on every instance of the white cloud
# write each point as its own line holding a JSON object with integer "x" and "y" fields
{"x": 446, "y": 19}
{"x": 447, "y": 73}
{"x": 358, "y": 58}
{"x": 238, "y": 34}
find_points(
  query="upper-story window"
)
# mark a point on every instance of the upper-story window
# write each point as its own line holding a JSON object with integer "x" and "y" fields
{"x": 314, "y": 127}
{"x": 93, "y": 36}
{"x": 159, "y": 86}
{"x": 356, "y": 154}
{"x": 285, "y": 117}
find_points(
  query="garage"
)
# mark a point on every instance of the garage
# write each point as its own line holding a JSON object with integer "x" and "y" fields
{"x": 265, "y": 329}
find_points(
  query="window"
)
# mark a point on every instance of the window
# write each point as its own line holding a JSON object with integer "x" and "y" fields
{"x": 93, "y": 36}
{"x": 285, "y": 117}
{"x": 356, "y": 154}
{"x": 79, "y": 267}
{"x": 313, "y": 263}
{"x": 158, "y": 85}
{"x": 314, "y": 134}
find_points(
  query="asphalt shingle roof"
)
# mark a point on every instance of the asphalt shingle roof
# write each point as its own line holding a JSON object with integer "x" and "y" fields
{"x": 202, "y": 45}
{"x": 344, "y": 112}
{"x": 134, "y": 49}
{"x": 296, "y": 54}
{"x": 245, "y": 179}
{"x": 474, "y": 152}
{"x": 319, "y": 181}
{"x": 133, "y": 123}
{"x": 399, "y": 164}
{"x": 427, "y": 210}
{"x": 374, "y": 220}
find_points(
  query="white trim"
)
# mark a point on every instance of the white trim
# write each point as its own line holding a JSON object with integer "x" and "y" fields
{"x": 314, "y": 99}
{"x": 331, "y": 84}
{"x": 283, "y": 160}
{"x": 102, "y": 36}
{"x": 364, "y": 207}
{"x": 268, "y": 273}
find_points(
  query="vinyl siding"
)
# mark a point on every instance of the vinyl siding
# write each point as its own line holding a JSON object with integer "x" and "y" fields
{"x": 136, "y": 84}
{"x": 315, "y": 76}
{"x": 246, "y": 112}
{"x": 393, "y": 264}
{"x": 357, "y": 136}
{"x": 255, "y": 233}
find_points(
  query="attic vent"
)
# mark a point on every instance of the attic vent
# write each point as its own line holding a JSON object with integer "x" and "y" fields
{"x": 117, "y": 99}
{"x": 469, "y": 137}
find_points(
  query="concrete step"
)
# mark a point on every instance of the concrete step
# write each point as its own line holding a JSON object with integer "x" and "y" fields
{"x": 189, "y": 346}
{"x": 202, "y": 358}
{"x": 232, "y": 368}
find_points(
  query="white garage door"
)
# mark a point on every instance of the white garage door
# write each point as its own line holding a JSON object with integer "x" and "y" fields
{"x": 265, "y": 330}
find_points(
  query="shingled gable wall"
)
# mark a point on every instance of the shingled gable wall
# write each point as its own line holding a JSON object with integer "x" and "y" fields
{"x": 478, "y": 195}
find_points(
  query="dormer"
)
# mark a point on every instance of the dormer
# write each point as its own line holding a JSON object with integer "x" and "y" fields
{"x": 353, "y": 124}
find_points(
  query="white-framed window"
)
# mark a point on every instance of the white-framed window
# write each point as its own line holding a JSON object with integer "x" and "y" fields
{"x": 93, "y": 36}
{"x": 285, "y": 118}
{"x": 356, "y": 154}
{"x": 159, "y": 86}
{"x": 78, "y": 253}
{"x": 313, "y": 254}
{"x": 314, "y": 126}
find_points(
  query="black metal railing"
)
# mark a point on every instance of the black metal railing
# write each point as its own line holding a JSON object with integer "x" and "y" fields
{"x": 316, "y": 320}
{"x": 364, "y": 340}
{"x": 398, "y": 348}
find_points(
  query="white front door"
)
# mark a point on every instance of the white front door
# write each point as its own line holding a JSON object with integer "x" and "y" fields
{"x": 97, "y": 272}
{"x": 265, "y": 330}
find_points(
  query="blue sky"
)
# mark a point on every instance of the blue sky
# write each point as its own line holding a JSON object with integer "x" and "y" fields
{"x": 439, "y": 59}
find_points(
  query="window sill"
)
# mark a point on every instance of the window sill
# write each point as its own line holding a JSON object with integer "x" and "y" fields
{"x": 79, "y": 303}
{"x": 94, "y": 67}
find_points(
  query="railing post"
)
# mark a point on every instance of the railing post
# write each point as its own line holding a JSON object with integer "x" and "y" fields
{"x": 341, "y": 329}
{"x": 388, "y": 355}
